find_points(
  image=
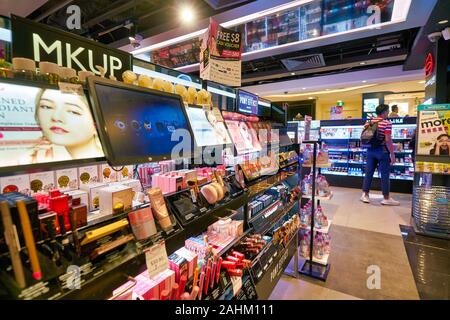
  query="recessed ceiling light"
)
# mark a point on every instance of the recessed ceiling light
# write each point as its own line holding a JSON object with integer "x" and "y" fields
{"x": 186, "y": 14}
{"x": 303, "y": 88}
{"x": 327, "y": 89}
{"x": 364, "y": 81}
{"x": 443, "y": 22}
{"x": 292, "y": 73}
{"x": 362, "y": 63}
{"x": 310, "y": 98}
{"x": 422, "y": 81}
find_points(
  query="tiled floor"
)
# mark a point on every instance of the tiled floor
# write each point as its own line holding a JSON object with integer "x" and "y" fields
{"x": 430, "y": 262}
{"x": 362, "y": 235}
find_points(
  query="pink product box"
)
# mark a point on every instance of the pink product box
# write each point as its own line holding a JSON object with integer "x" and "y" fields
{"x": 146, "y": 288}
{"x": 126, "y": 295}
{"x": 165, "y": 280}
{"x": 191, "y": 259}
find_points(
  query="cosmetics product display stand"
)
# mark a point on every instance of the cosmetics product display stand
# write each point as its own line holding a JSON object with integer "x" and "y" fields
{"x": 313, "y": 267}
{"x": 431, "y": 188}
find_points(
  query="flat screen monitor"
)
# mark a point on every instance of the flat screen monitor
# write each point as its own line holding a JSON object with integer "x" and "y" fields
{"x": 207, "y": 126}
{"x": 264, "y": 108}
{"x": 41, "y": 125}
{"x": 247, "y": 103}
{"x": 278, "y": 115}
{"x": 243, "y": 134}
{"x": 138, "y": 124}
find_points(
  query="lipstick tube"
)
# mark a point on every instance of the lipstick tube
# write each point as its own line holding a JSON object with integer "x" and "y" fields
{"x": 202, "y": 280}
{"x": 174, "y": 294}
{"x": 14, "y": 252}
{"x": 213, "y": 275}
{"x": 183, "y": 280}
{"x": 29, "y": 240}
{"x": 164, "y": 295}
{"x": 194, "y": 292}
{"x": 194, "y": 282}
{"x": 219, "y": 265}
{"x": 207, "y": 277}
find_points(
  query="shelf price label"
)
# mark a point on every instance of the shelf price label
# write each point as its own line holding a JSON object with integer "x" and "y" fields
{"x": 156, "y": 259}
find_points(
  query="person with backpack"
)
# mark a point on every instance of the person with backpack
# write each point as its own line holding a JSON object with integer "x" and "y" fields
{"x": 376, "y": 136}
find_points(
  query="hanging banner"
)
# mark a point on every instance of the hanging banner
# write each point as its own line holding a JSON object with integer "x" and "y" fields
{"x": 40, "y": 42}
{"x": 220, "y": 56}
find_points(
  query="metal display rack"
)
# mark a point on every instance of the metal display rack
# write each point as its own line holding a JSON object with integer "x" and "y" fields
{"x": 312, "y": 267}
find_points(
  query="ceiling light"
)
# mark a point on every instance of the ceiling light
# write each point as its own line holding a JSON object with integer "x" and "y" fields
{"x": 364, "y": 81}
{"x": 308, "y": 94}
{"x": 310, "y": 98}
{"x": 421, "y": 82}
{"x": 292, "y": 73}
{"x": 362, "y": 63}
{"x": 443, "y": 22}
{"x": 132, "y": 38}
{"x": 303, "y": 88}
{"x": 186, "y": 14}
{"x": 327, "y": 89}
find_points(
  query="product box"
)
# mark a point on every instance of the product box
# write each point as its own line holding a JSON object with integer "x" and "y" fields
{"x": 20, "y": 183}
{"x": 88, "y": 174}
{"x": 42, "y": 181}
{"x": 146, "y": 288}
{"x": 92, "y": 190}
{"x": 179, "y": 265}
{"x": 125, "y": 174}
{"x": 191, "y": 259}
{"x": 165, "y": 280}
{"x": 81, "y": 194}
{"x": 107, "y": 173}
{"x": 115, "y": 195}
{"x": 187, "y": 175}
{"x": 134, "y": 184}
{"x": 67, "y": 179}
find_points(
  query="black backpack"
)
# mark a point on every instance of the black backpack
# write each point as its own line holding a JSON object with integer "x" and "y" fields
{"x": 369, "y": 136}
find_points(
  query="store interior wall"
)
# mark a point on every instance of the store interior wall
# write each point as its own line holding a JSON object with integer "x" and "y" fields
{"x": 352, "y": 107}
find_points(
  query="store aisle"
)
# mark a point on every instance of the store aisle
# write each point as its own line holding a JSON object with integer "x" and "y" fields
{"x": 362, "y": 235}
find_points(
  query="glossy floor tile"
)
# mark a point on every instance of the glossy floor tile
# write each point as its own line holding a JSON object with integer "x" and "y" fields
{"x": 346, "y": 210}
{"x": 430, "y": 263}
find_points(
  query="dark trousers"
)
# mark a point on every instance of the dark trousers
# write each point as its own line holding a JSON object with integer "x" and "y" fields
{"x": 378, "y": 156}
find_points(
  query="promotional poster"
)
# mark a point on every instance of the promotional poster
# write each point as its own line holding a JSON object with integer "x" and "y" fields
{"x": 434, "y": 130}
{"x": 220, "y": 56}
{"x": 45, "y": 125}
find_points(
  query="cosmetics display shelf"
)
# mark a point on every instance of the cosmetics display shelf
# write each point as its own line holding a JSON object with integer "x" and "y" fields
{"x": 318, "y": 165}
{"x": 288, "y": 165}
{"x": 322, "y": 229}
{"x": 200, "y": 224}
{"x": 275, "y": 217}
{"x": 274, "y": 268}
{"x": 261, "y": 186}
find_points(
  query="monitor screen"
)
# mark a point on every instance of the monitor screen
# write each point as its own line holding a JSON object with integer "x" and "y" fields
{"x": 247, "y": 102}
{"x": 207, "y": 126}
{"x": 278, "y": 115}
{"x": 42, "y": 125}
{"x": 243, "y": 134}
{"x": 140, "y": 125}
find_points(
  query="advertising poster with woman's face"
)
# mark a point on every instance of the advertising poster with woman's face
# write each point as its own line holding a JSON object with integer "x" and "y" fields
{"x": 434, "y": 133}
{"x": 45, "y": 125}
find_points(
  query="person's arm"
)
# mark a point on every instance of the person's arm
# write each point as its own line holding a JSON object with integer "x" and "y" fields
{"x": 389, "y": 143}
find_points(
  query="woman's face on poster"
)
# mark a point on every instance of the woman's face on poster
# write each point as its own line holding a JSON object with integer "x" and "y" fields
{"x": 65, "y": 119}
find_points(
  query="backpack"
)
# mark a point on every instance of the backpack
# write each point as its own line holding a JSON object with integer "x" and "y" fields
{"x": 369, "y": 136}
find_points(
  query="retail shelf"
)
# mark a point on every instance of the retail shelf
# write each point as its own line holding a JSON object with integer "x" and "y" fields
{"x": 335, "y": 173}
{"x": 323, "y": 261}
{"x": 323, "y": 230}
{"x": 338, "y": 161}
{"x": 319, "y": 165}
{"x": 319, "y": 197}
